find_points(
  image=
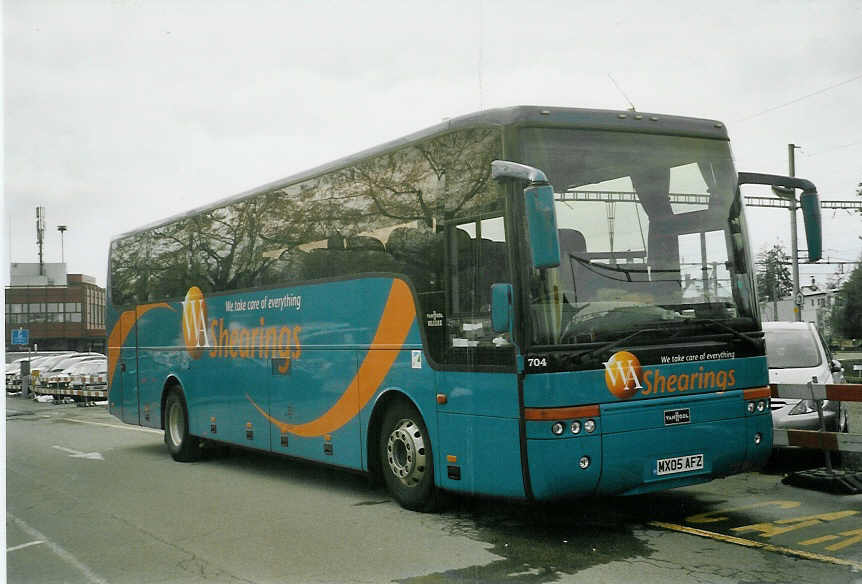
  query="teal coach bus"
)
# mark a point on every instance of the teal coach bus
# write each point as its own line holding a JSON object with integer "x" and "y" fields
{"x": 532, "y": 303}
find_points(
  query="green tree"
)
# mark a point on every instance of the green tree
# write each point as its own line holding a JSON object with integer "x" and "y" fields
{"x": 847, "y": 314}
{"x": 773, "y": 274}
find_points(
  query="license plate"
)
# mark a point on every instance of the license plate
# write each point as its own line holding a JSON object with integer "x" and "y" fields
{"x": 666, "y": 466}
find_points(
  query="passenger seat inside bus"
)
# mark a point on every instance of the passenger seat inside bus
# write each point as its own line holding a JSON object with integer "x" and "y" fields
{"x": 492, "y": 269}
{"x": 577, "y": 281}
{"x": 419, "y": 255}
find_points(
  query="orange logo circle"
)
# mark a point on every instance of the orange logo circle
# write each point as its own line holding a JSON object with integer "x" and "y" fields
{"x": 195, "y": 322}
{"x": 623, "y": 374}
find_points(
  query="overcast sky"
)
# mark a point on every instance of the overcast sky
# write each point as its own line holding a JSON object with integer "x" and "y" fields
{"x": 119, "y": 113}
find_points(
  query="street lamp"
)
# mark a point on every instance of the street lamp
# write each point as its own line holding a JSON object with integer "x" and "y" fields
{"x": 62, "y": 229}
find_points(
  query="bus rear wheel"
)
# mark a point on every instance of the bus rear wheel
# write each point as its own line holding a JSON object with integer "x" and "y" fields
{"x": 182, "y": 446}
{"x": 406, "y": 460}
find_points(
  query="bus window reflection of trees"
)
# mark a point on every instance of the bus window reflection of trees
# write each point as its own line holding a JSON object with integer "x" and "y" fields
{"x": 383, "y": 214}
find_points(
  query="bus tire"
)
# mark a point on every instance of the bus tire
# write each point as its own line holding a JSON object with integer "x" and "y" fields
{"x": 182, "y": 446}
{"x": 406, "y": 460}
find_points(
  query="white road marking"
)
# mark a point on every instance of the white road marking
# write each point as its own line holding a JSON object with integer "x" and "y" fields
{"x": 79, "y": 454}
{"x": 59, "y": 550}
{"x": 23, "y": 545}
{"x": 118, "y": 426}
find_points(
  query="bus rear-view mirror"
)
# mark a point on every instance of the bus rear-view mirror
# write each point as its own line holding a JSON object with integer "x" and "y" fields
{"x": 539, "y": 208}
{"x": 785, "y": 187}
{"x": 501, "y": 307}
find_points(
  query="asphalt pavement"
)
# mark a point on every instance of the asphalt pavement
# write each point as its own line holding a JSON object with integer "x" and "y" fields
{"x": 92, "y": 500}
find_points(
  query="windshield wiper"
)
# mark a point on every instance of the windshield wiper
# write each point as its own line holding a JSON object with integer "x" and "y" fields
{"x": 627, "y": 270}
{"x": 730, "y": 329}
{"x": 617, "y": 342}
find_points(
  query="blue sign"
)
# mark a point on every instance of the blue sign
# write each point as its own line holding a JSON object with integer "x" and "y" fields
{"x": 20, "y": 336}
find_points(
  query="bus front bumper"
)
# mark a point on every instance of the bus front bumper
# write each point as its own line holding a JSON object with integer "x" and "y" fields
{"x": 645, "y": 460}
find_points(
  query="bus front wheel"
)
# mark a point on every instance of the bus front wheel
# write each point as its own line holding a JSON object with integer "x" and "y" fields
{"x": 182, "y": 446}
{"x": 406, "y": 460}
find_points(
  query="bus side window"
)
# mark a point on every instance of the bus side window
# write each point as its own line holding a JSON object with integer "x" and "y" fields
{"x": 477, "y": 257}
{"x": 418, "y": 254}
{"x": 367, "y": 254}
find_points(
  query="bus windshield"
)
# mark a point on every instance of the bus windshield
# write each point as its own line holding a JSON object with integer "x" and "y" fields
{"x": 651, "y": 232}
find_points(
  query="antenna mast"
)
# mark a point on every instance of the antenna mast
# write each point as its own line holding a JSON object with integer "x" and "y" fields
{"x": 40, "y": 236}
{"x": 620, "y": 89}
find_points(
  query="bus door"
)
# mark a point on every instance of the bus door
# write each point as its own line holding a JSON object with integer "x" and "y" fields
{"x": 128, "y": 370}
{"x": 478, "y": 428}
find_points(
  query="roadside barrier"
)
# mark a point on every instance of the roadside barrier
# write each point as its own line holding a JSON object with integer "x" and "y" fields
{"x": 827, "y": 478}
{"x": 86, "y": 388}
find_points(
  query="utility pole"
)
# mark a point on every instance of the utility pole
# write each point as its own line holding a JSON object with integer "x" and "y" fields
{"x": 797, "y": 295}
{"x": 775, "y": 300}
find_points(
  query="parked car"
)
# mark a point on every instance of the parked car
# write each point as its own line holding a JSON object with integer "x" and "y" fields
{"x": 13, "y": 374}
{"x": 54, "y": 376}
{"x": 44, "y": 364}
{"x": 37, "y": 363}
{"x": 88, "y": 373}
{"x": 796, "y": 353}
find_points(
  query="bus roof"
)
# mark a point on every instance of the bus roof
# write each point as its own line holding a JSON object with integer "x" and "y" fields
{"x": 567, "y": 117}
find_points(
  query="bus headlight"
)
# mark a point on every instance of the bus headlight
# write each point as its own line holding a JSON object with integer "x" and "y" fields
{"x": 750, "y": 407}
{"x": 584, "y": 462}
{"x": 590, "y": 426}
{"x": 558, "y": 428}
{"x": 761, "y": 405}
{"x": 576, "y": 427}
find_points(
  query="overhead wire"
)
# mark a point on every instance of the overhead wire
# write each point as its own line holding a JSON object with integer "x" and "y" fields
{"x": 833, "y": 148}
{"x": 798, "y": 99}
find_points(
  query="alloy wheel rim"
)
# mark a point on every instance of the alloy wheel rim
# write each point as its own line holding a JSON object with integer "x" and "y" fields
{"x": 176, "y": 424}
{"x": 405, "y": 453}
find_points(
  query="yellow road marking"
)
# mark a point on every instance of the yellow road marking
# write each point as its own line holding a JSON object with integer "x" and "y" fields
{"x": 853, "y": 536}
{"x": 756, "y": 544}
{"x": 769, "y": 529}
{"x": 816, "y": 540}
{"x": 710, "y": 517}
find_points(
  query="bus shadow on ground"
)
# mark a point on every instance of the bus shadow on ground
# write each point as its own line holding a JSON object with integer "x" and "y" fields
{"x": 298, "y": 471}
{"x": 540, "y": 542}
{"x": 536, "y": 542}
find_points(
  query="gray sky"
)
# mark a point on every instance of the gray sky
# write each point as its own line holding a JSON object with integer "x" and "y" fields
{"x": 119, "y": 113}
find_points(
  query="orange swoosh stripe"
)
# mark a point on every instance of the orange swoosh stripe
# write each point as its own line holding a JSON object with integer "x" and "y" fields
{"x": 398, "y": 316}
{"x": 121, "y": 330}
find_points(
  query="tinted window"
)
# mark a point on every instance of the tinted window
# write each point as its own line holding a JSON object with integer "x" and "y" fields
{"x": 427, "y": 211}
{"x": 129, "y": 276}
